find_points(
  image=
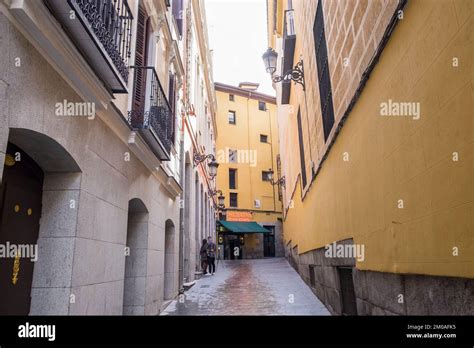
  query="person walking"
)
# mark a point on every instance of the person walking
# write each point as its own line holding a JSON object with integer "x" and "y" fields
{"x": 211, "y": 255}
{"x": 203, "y": 254}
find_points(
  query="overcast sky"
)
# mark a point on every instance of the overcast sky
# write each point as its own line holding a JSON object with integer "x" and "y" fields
{"x": 238, "y": 37}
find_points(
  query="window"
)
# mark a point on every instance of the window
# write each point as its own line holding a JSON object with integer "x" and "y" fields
{"x": 257, "y": 203}
{"x": 280, "y": 189}
{"x": 263, "y": 138}
{"x": 262, "y": 106}
{"x": 231, "y": 116}
{"x": 172, "y": 100}
{"x": 177, "y": 10}
{"x": 231, "y": 97}
{"x": 232, "y": 179}
{"x": 302, "y": 160}
{"x": 324, "y": 78}
{"x": 233, "y": 200}
{"x": 266, "y": 175}
{"x": 142, "y": 39}
{"x": 348, "y": 297}
{"x": 312, "y": 278}
{"x": 232, "y": 156}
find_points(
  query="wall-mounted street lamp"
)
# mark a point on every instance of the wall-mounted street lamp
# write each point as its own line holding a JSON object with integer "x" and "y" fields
{"x": 222, "y": 213}
{"x": 198, "y": 159}
{"x": 280, "y": 182}
{"x": 296, "y": 74}
{"x": 220, "y": 199}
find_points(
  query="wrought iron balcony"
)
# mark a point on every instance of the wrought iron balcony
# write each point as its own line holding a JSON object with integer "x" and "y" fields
{"x": 151, "y": 115}
{"x": 102, "y": 30}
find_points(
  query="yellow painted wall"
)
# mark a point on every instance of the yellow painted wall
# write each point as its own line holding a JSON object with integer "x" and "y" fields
{"x": 281, "y": 6}
{"x": 245, "y": 135}
{"x": 400, "y": 158}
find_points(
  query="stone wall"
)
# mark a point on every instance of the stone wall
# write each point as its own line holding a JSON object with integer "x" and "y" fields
{"x": 379, "y": 293}
{"x": 81, "y": 265}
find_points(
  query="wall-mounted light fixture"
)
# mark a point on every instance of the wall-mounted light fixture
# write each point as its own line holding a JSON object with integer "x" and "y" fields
{"x": 296, "y": 74}
{"x": 220, "y": 199}
{"x": 222, "y": 213}
{"x": 198, "y": 159}
{"x": 280, "y": 182}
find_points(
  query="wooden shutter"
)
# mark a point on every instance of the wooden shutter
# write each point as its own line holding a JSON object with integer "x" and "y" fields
{"x": 172, "y": 101}
{"x": 325, "y": 91}
{"x": 140, "y": 59}
{"x": 302, "y": 155}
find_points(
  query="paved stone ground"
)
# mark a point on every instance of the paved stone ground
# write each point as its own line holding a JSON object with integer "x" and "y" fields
{"x": 249, "y": 287}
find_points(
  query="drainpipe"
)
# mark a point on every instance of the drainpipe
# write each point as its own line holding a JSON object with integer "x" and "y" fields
{"x": 181, "y": 205}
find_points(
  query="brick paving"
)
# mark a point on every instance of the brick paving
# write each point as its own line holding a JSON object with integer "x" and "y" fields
{"x": 249, "y": 287}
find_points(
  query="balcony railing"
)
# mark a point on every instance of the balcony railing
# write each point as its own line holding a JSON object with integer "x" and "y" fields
{"x": 102, "y": 30}
{"x": 111, "y": 21}
{"x": 151, "y": 113}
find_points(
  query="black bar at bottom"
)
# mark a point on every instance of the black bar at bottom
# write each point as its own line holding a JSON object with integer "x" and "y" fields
{"x": 196, "y": 330}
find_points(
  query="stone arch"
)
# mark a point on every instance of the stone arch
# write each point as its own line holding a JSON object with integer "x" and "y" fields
{"x": 49, "y": 282}
{"x": 136, "y": 252}
{"x": 169, "y": 264}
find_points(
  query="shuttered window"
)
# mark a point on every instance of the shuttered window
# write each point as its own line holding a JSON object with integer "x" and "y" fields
{"x": 325, "y": 91}
{"x": 141, "y": 59}
{"x": 233, "y": 200}
{"x": 172, "y": 101}
{"x": 232, "y": 179}
{"x": 301, "y": 143}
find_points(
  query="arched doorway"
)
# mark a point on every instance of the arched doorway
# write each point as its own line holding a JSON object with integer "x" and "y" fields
{"x": 136, "y": 259}
{"x": 39, "y": 176}
{"x": 169, "y": 265}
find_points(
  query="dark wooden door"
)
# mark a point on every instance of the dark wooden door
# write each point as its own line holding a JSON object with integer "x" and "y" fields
{"x": 269, "y": 242}
{"x": 348, "y": 297}
{"x": 20, "y": 212}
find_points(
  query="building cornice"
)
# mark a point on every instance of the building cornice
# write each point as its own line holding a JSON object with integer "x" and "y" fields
{"x": 255, "y": 211}
{"x": 222, "y": 87}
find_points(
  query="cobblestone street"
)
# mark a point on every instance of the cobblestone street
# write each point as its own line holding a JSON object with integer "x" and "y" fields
{"x": 249, "y": 287}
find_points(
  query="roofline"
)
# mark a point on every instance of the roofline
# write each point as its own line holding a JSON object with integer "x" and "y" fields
{"x": 222, "y": 87}
{"x": 249, "y": 83}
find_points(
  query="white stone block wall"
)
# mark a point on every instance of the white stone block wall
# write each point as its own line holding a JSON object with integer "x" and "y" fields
{"x": 81, "y": 249}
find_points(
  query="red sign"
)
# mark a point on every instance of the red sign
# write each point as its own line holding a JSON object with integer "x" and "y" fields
{"x": 242, "y": 216}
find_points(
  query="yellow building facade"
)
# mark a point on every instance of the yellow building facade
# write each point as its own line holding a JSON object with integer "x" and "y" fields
{"x": 389, "y": 170}
{"x": 247, "y": 149}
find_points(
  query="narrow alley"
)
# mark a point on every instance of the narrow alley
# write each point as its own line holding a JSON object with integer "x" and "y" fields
{"x": 249, "y": 287}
